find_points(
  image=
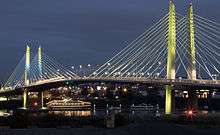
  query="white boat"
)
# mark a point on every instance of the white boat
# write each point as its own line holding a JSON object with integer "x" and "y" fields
{"x": 216, "y": 95}
{"x": 68, "y": 104}
{"x": 4, "y": 114}
{"x": 142, "y": 107}
{"x": 114, "y": 108}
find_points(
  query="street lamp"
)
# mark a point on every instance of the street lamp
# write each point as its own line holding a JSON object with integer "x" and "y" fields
{"x": 89, "y": 68}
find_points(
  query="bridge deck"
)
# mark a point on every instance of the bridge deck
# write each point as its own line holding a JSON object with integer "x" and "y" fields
{"x": 53, "y": 83}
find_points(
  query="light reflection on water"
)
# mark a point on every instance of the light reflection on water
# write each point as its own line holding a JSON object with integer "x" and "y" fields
{"x": 77, "y": 113}
{"x": 98, "y": 113}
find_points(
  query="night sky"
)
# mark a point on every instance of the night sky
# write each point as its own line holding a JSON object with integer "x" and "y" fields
{"x": 81, "y": 31}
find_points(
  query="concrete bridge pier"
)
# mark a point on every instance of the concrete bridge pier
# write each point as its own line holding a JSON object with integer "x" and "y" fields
{"x": 25, "y": 98}
{"x": 170, "y": 105}
{"x": 210, "y": 107}
{"x": 41, "y": 100}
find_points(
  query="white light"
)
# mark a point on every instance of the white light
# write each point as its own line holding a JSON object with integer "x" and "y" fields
{"x": 185, "y": 92}
{"x": 105, "y": 88}
{"x": 214, "y": 93}
{"x": 99, "y": 87}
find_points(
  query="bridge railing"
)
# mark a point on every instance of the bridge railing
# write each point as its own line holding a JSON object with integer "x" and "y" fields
{"x": 124, "y": 79}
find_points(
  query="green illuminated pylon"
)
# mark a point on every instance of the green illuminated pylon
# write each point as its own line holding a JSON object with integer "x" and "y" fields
{"x": 27, "y": 66}
{"x": 191, "y": 46}
{"x": 191, "y": 57}
{"x": 26, "y": 76}
{"x": 169, "y": 103}
{"x": 40, "y": 73}
{"x": 40, "y": 61}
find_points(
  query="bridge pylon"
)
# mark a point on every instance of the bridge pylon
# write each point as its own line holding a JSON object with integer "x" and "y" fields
{"x": 171, "y": 71}
{"x": 191, "y": 70}
{"x": 39, "y": 53}
{"x": 41, "y": 95}
{"x": 26, "y": 76}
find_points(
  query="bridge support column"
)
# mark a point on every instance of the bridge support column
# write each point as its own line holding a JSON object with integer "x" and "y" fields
{"x": 210, "y": 107}
{"x": 25, "y": 95}
{"x": 40, "y": 73}
{"x": 26, "y": 76}
{"x": 170, "y": 100}
{"x": 40, "y": 100}
{"x": 171, "y": 56}
{"x": 191, "y": 70}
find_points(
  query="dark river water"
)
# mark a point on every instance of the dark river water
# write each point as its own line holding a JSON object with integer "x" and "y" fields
{"x": 72, "y": 118}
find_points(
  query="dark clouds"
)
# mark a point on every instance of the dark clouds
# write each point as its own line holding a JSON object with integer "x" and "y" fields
{"x": 80, "y": 31}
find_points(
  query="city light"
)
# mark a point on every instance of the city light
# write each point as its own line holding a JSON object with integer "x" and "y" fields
{"x": 125, "y": 90}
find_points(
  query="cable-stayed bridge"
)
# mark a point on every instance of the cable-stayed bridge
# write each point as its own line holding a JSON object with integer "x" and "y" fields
{"x": 177, "y": 52}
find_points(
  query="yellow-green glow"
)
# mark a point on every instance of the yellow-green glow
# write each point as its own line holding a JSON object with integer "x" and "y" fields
{"x": 40, "y": 61}
{"x": 39, "y": 55}
{"x": 42, "y": 100}
{"x": 171, "y": 43}
{"x": 25, "y": 99}
{"x": 40, "y": 72}
{"x": 26, "y": 76}
{"x": 168, "y": 106}
{"x": 3, "y": 99}
{"x": 171, "y": 56}
{"x": 27, "y": 66}
{"x": 191, "y": 46}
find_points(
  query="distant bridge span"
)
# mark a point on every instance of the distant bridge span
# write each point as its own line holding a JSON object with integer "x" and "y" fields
{"x": 176, "y": 83}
